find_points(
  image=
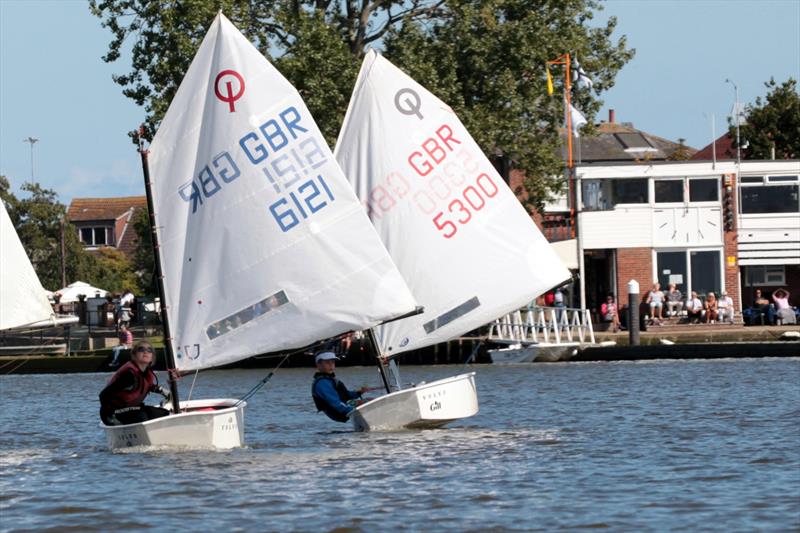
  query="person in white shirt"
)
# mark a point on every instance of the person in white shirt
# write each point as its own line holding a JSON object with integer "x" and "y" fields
{"x": 725, "y": 308}
{"x": 695, "y": 308}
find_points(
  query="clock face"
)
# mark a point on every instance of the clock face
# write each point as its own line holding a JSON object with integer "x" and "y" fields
{"x": 709, "y": 225}
{"x": 672, "y": 226}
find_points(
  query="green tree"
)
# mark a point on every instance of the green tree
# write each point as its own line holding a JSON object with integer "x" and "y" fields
{"x": 166, "y": 36}
{"x": 113, "y": 271}
{"x": 143, "y": 259}
{"x": 485, "y": 58}
{"x": 37, "y": 218}
{"x": 772, "y": 122}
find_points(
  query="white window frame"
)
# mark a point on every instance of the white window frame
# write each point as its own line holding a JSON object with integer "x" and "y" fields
{"x": 764, "y": 277}
{"x": 109, "y": 231}
{"x": 688, "y": 251}
{"x": 765, "y": 182}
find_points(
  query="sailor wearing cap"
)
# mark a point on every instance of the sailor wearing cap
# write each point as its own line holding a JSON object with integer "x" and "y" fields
{"x": 330, "y": 395}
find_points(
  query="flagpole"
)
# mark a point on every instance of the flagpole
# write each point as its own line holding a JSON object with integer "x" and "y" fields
{"x": 565, "y": 60}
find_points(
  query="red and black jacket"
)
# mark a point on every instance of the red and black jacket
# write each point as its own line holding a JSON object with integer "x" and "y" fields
{"x": 128, "y": 387}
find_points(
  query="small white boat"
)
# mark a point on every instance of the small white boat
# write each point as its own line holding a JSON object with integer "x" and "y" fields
{"x": 545, "y": 351}
{"x": 215, "y": 424}
{"x": 263, "y": 245}
{"x": 456, "y": 231}
{"x": 423, "y": 406}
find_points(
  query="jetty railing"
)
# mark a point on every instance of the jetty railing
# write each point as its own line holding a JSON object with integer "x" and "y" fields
{"x": 534, "y": 324}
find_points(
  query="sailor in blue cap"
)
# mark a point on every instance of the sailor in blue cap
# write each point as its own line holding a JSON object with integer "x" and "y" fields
{"x": 330, "y": 395}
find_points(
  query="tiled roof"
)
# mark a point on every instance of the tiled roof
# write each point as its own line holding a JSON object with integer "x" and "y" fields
{"x": 725, "y": 150}
{"x": 618, "y": 142}
{"x": 84, "y": 209}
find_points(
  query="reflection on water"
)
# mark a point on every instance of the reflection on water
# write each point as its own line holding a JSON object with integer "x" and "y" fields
{"x": 676, "y": 444}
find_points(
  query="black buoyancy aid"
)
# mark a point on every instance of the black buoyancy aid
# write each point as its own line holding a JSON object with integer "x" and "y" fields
{"x": 135, "y": 394}
{"x": 322, "y": 405}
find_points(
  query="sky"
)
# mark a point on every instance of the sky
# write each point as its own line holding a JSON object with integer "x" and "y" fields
{"x": 54, "y": 86}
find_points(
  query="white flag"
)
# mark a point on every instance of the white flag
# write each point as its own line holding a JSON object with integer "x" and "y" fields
{"x": 579, "y": 76}
{"x": 577, "y": 119}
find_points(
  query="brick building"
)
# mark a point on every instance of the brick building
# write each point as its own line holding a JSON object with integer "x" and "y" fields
{"x": 106, "y": 221}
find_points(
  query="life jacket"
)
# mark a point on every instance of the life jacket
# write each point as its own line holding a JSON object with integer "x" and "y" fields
{"x": 322, "y": 405}
{"x": 143, "y": 383}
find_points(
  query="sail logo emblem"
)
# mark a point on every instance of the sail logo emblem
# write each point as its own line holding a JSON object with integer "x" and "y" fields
{"x": 227, "y": 77}
{"x": 408, "y": 102}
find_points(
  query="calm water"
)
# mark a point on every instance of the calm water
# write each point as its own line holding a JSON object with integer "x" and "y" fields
{"x": 629, "y": 446}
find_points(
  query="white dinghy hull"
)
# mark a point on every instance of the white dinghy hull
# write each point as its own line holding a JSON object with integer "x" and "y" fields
{"x": 546, "y": 352}
{"x": 426, "y": 406}
{"x": 216, "y": 423}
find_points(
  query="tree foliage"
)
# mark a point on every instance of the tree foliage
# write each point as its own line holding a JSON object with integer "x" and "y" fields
{"x": 485, "y": 58}
{"x": 113, "y": 271}
{"x": 143, "y": 259}
{"x": 37, "y": 217}
{"x": 772, "y": 122}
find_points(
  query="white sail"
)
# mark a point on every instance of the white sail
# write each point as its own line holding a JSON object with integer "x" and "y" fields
{"x": 264, "y": 245}
{"x": 459, "y": 236}
{"x": 23, "y": 300}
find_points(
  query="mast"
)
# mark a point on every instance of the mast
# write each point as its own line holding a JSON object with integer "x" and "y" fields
{"x": 171, "y": 370}
{"x": 379, "y": 359}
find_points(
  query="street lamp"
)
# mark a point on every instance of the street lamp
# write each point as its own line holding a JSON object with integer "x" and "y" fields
{"x": 32, "y": 141}
{"x": 737, "y": 119}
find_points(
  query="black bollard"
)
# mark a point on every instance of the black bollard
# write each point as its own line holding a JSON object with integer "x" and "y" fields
{"x": 633, "y": 312}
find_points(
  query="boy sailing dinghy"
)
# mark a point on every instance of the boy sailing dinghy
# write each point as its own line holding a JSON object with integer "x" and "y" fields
{"x": 262, "y": 243}
{"x": 456, "y": 231}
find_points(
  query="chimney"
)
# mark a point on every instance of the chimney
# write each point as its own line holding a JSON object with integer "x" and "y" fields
{"x": 611, "y": 116}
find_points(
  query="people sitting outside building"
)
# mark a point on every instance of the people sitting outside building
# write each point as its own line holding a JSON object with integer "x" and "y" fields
{"x": 784, "y": 311}
{"x": 711, "y": 308}
{"x": 725, "y": 308}
{"x": 656, "y": 300}
{"x": 694, "y": 308}
{"x": 610, "y": 312}
{"x": 125, "y": 343}
{"x": 674, "y": 301}
{"x": 761, "y": 310}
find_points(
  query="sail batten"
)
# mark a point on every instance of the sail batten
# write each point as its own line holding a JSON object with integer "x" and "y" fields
{"x": 264, "y": 245}
{"x": 461, "y": 239}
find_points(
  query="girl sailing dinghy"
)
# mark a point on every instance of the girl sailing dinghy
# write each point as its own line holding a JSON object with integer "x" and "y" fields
{"x": 458, "y": 234}
{"x": 262, "y": 243}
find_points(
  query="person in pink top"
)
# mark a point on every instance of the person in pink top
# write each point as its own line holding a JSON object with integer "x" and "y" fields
{"x": 125, "y": 343}
{"x": 784, "y": 312}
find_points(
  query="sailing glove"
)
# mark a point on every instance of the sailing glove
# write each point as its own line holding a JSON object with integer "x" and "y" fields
{"x": 163, "y": 392}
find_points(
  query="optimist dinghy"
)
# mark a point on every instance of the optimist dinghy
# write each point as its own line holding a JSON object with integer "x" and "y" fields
{"x": 461, "y": 239}
{"x": 262, "y": 243}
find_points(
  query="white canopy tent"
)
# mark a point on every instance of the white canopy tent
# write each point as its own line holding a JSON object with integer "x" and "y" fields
{"x": 71, "y": 292}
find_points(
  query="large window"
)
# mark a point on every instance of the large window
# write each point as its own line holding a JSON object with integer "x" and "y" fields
{"x": 703, "y": 190}
{"x": 97, "y": 236}
{"x": 629, "y": 191}
{"x": 672, "y": 269}
{"x": 699, "y": 271}
{"x": 668, "y": 191}
{"x": 773, "y": 275}
{"x": 706, "y": 272}
{"x": 770, "y": 199}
